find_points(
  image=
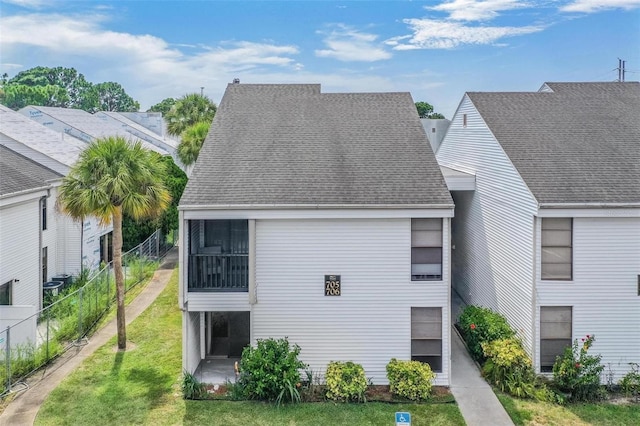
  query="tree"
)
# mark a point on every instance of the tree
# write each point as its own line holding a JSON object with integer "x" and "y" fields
{"x": 192, "y": 139}
{"x": 72, "y": 83}
{"x": 113, "y": 177}
{"x": 109, "y": 96}
{"x": 65, "y": 88}
{"x": 164, "y": 106}
{"x": 189, "y": 110}
{"x": 425, "y": 110}
{"x": 136, "y": 231}
{"x": 16, "y": 96}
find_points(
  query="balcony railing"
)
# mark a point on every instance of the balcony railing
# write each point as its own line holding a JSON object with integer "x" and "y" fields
{"x": 219, "y": 272}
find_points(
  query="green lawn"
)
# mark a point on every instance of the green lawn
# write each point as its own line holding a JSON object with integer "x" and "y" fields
{"x": 142, "y": 386}
{"x": 526, "y": 412}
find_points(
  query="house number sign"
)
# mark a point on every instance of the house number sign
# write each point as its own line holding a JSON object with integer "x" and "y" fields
{"x": 332, "y": 285}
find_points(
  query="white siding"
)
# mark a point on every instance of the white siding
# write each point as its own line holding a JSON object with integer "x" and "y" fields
{"x": 493, "y": 225}
{"x": 20, "y": 250}
{"x": 217, "y": 301}
{"x": 370, "y": 322}
{"x": 50, "y": 237}
{"x": 191, "y": 341}
{"x": 604, "y": 289}
{"x": 69, "y": 257}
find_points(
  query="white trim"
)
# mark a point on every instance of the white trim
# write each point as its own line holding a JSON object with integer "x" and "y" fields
{"x": 310, "y": 206}
{"x": 589, "y": 212}
{"x": 318, "y": 214}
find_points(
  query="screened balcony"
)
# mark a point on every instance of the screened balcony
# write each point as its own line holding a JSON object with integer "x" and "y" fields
{"x": 218, "y": 255}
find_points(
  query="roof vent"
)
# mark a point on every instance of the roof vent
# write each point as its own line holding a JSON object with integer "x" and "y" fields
{"x": 236, "y": 81}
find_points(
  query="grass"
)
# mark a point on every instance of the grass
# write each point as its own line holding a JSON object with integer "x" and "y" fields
{"x": 142, "y": 386}
{"x": 527, "y": 412}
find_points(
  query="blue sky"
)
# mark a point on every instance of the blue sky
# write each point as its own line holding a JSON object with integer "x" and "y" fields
{"x": 437, "y": 50}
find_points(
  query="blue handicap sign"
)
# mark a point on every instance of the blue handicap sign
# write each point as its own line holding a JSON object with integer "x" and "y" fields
{"x": 403, "y": 419}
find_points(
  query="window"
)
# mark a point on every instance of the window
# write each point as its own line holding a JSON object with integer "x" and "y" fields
{"x": 426, "y": 249}
{"x": 555, "y": 334}
{"x": 5, "y": 293}
{"x": 43, "y": 209}
{"x": 426, "y": 336}
{"x": 44, "y": 264}
{"x": 464, "y": 120}
{"x": 557, "y": 248}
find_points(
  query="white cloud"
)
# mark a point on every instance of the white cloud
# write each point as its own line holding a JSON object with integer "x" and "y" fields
{"x": 589, "y": 6}
{"x": 347, "y": 44}
{"x": 433, "y": 34}
{"x": 148, "y": 67}
{"x": 476, "y": 10}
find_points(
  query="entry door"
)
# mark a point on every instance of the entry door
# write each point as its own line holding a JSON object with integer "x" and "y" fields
{"x": 219, "y": 332}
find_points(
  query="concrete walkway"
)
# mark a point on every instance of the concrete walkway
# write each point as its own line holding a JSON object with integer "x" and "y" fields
{"x": 477, "y": 402}
{"x": 24, "y": 408}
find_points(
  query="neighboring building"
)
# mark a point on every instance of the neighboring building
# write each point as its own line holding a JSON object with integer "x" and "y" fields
{"x": 82, "y": 125}
{"x": 138, "y": 130}
{"x": 435, "y": 128}
{"x": 72, "y": 245}
{"x": 322, "y": 217}
{"x": 551, "y": 235}
{"x": 27, "y": 239}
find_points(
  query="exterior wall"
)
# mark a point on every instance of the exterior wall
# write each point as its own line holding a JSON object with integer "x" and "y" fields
{"x": 191, "y": 341}
{"x": 50, "y": 236}
{"x": 91, "y": 242}
{"x": 20, "y": 250}
{"x": 440, "y": 125}
{"x": 370, "y": 322}
{"x": 69, "y": 253}
{"x": 493, "y": 227}
{"x": 604, "y": 289}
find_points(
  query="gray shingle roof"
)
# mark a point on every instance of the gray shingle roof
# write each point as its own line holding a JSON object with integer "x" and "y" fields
{"x": 21, "y": 174}
{"x": 291, "y": 144}
{"x": 577, "y": 144}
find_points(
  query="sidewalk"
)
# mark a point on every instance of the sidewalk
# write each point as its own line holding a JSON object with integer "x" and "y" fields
{"x": 477, "y": 402}
{"x": 24, "y": 408}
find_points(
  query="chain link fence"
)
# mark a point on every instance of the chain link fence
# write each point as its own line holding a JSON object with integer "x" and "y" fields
{"x": 70, "y": 316}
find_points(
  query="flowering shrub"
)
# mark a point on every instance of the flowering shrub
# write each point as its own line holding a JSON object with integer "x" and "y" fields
{"x": 577, "y": 373}
{"x": 346, "y": 381}
{"x": 509, "y": 367}
{"x": 481, "y": 325}
{"x": 271, "y": 371}
{"x": 410, "y": 379}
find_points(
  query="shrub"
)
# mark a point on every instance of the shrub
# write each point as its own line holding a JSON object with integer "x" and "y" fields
{"x": 630, "y": 383}
{"x": 271, "y": 371}
{"x": 192, "y": 388}
{"x": 410, "y": 379}
{"x": 509, "y": 368}
{"x": 481, "y": 325}
{"x": 346, "y": 381}
{"x": 577, "y": 373}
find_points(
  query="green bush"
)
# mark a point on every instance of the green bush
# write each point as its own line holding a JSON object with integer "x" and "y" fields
{"x": 630, "y": 383}
{"x": 345, "y": 381}
{"x": 192, "y": 388}
{"x": 509, "y": 367}
{"x": 410, "y": 379}
{"x": 271, "y": 371}
{"x": 482, "y": 325}
{"x": 577, "y": 374}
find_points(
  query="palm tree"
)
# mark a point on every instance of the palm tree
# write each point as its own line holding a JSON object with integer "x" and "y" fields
{"x": 189, "y": 110}
{"x": 192, "y": 140}
{"x": 114, "y": 177}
